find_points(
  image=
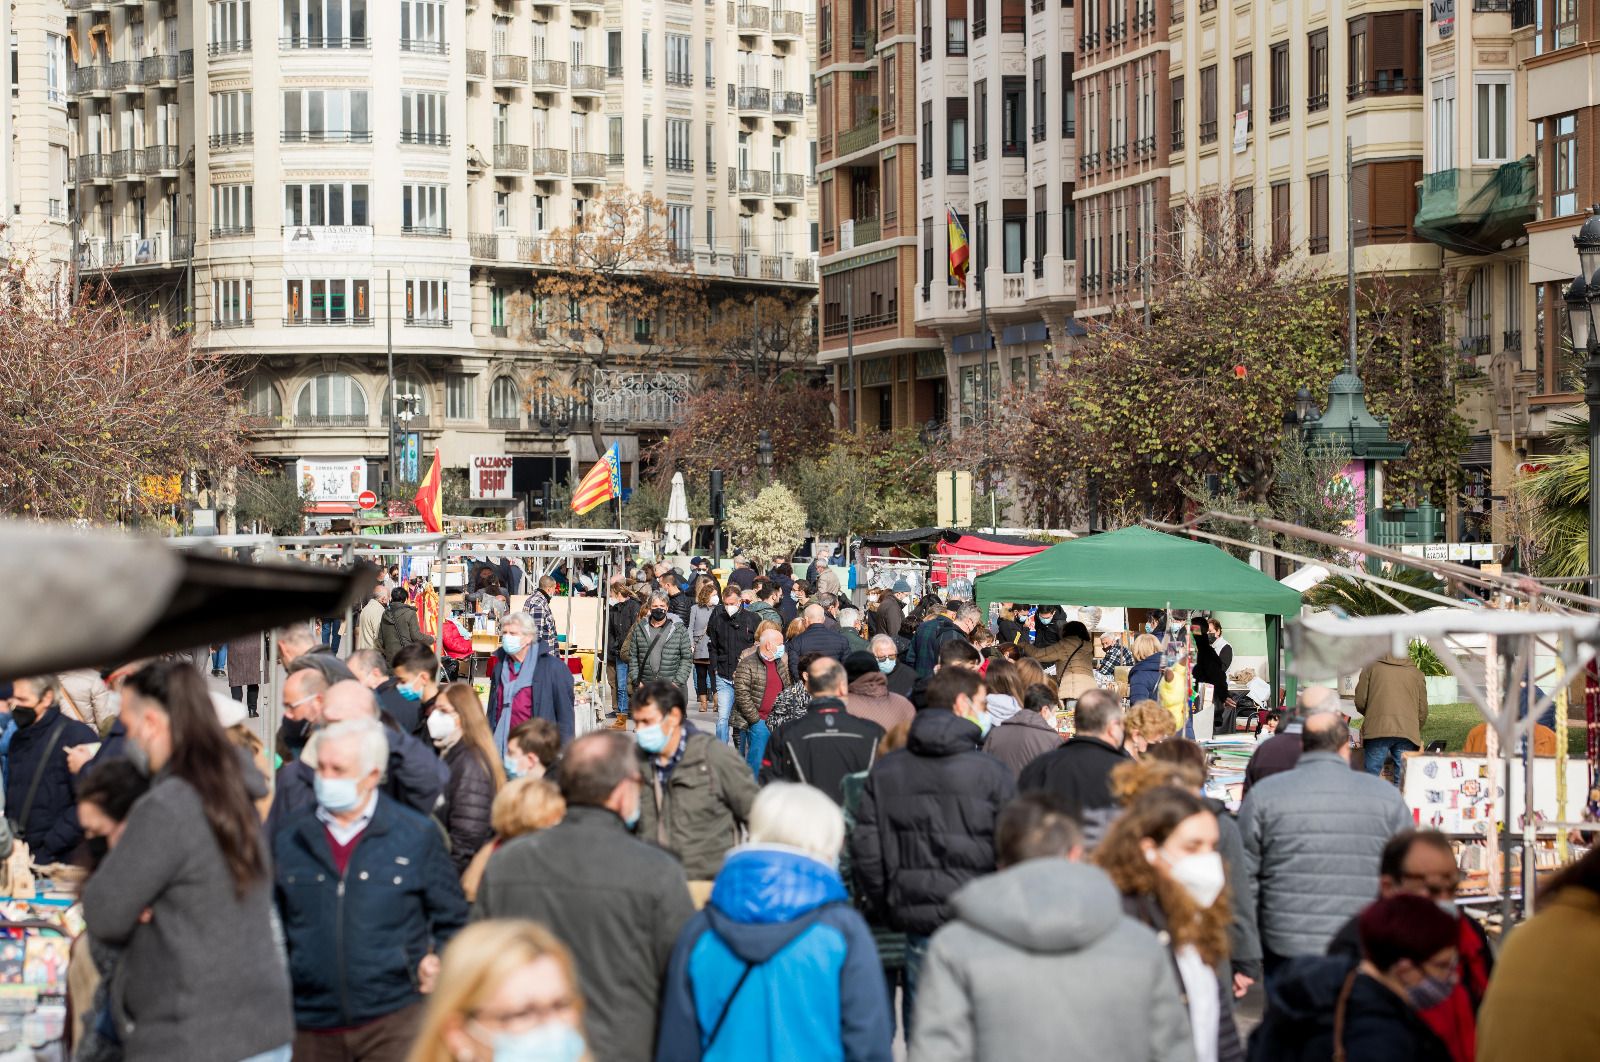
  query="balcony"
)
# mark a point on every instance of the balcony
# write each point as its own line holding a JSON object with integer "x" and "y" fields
{"x": 127, "y": 76}
{"x": 751, "y": 99}
{"x": 324, "y": 44}
{"x": 303, "y": 321}
{"x": 89, "y": 5}
{"x": 477, "y": 63}
{"x": 588, "y": 166}
{"x": 750, "y": 184}
{"x": 93, "y": 80}
{"x": 328, "y": 420}
{"x": 94, "y": 168}
{"x": 588, "y": 80}
{"x": 1474, "y": 211}
{"x": 234, "y": 232}
{"x": 790, "y": 24}
{"x": 121, "y": 164}
{"x": 510, "y": 70}
{"x": 325, "y": 136}
{"x": 638, "y": 397}
{"x": 750, "y": 19}
{"x": 790, "y": 106}
{"x": 548, "y": 162}
{"x": 788, "y": 186}
{"x": 434, "y": 231}
{"x": 675, "y": 164}
{"x": 863, "y": 230}
{"x": 421, "y": 139}
{"x": 158, "y": 250}
{"x": 165, "y": 71}
{"x": 548, "y": 73}
{"x": 859, "y": 137}
{"x": 511, "y": 157}
{"x": 418, "y": 47}
{"x": 427, "y": 322}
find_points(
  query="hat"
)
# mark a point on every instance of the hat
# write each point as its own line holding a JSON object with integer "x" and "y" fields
{"x": 859, "y": 663}
{"x": 1404, "y": 927}
{"x": 229, "y": 711}
{"x": 697, "y": 561}
{"x": 901, "y": 587}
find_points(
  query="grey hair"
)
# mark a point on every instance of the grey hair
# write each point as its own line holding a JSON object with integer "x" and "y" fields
{"x": 883, "y": 641}
{"x": 970, "y": 612}
{"x": 296, "y": 636}
{"x": 659, "y": 595}
{"x": 798, "y": 816}
{"x": 42, "y": 684}
{"x": 368, "y": 735}
{"x": 849, "y": 617}
{"x": 520, "y": 620}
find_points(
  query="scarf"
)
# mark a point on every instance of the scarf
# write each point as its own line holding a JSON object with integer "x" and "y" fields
{"x": 507, "y": 686}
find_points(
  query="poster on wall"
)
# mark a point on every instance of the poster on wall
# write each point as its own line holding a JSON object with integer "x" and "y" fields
{"x": 332, "y": 478}
{"x": 491, "y": 477}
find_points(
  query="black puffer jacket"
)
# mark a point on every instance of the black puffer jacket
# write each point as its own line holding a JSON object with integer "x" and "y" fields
{"x": 926, "y": 822}
{"x": 465, "y": 808}
{"x": 51, "y": 829}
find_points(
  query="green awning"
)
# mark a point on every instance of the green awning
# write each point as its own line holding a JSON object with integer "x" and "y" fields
{"x": 1474, "y": 211}
{"x": 1138, "y": 568}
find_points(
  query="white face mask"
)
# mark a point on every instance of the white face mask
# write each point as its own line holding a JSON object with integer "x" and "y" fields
{"x": 442, "y": 726}
{"x": 1201, "y": 874}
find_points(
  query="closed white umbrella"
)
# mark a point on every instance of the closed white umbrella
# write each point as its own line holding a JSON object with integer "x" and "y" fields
{"x": 678, "y": 530}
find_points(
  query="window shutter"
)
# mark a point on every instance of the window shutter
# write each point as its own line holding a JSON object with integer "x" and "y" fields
{"x": 956, "y": 9}
{"x": 1388, "y": 41}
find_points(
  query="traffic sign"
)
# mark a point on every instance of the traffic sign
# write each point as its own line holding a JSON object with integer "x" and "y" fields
{"x": 367, "y": 500}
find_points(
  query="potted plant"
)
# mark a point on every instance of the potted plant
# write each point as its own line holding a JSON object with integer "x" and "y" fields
{"x": 1441, "y": 684}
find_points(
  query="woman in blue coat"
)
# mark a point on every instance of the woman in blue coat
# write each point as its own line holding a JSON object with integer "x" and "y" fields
{"x": 1145, "y": 675}
{"x": 778, "y": 965}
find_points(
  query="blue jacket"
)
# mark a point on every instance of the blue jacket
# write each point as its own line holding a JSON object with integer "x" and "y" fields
{"x": 814, "y": 988}
{"x": 550, "y": 696}
{"x": 355, "y": 942}
{"x": 1143, "y": 678}
{"x": 415, "y": 777}
{"x": 52, "y": 829}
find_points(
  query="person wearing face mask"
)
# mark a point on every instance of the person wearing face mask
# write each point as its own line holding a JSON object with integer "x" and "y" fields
{"x": 870, "y": 697}
{"x": 1079, "y": 772}
{"x": 1422, "y": 863}
{"x": 416, "y": 672}
{"x": 758, "y": 681}
{"x": 38, "y": 788}
{"x": 507, "y": 992}
{"x": 186, "y": 890}
{"x": 899, "y": 678}
{"x": 615, "y": 901}
{"x": 1161, "y": 854}
{"x": 828, "y": 744}
{"x": 532, "y": 749}
{"x": 926, "y": 822}
{"x": 662, "y": 652}
{"x": 527, "y": 680}
{"x": 400, "y": 702}
{"x": 730, "y": 632}
{"x": 460, "y": 732}
{"x": 368, "y": 899}
{"x": 1367, "y": 1007}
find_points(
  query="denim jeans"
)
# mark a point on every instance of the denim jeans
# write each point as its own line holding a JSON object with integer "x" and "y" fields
{"x": 724, "y": 707}
{"x": 916, "y": 953}
{"x": 1382, "y": 749}
{"x": 329, "y": 631}
{"x": 622, "y": 687}
{"x": 755, "y": 746}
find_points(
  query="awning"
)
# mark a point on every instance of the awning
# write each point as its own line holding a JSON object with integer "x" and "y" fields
{"x": 927, "y": 536}
{"x": 330, "y": 508}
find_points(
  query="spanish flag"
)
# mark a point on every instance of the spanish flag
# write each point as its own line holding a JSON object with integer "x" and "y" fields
{"x": 958, "y": 247}
{"x": 429, "y": 499}
{"x": 602, "y": 483}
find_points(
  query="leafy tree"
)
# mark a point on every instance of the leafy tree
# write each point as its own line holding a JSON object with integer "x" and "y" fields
{"x": 1360, "y": 598}
{"x": 1302, "y": 493}
{"x": 864, "y": 482}
{"x": 95, "y": 403}
{"x": 771, "y": 524}
{"x": 271, "y": 501}
{"x": 1559, "y": 498}
{"x": 764, "y": 336}
{"x": 719, "y": 427}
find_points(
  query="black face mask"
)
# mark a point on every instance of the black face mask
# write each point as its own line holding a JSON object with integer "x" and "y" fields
{"x": 295, "y": 732}
{"x": 24, "y": 717}
{"x": 657, "y": 615}
{"x": 98, "y": 847}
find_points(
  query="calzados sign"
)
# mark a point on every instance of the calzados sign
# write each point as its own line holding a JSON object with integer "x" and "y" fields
{"x": 491, "y": 476}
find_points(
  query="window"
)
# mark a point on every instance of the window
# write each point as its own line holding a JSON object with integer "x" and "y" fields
{"x": 614, "y": 53}
{"x": 458, "y": 395}
{"x": 1069, "y": 98}
{"x": 711, "y": 74}
{"x": 614, "y": 140}
{"x": 422, "y": 26}
{"x": 1014, "y": 116}
{"x": 927, "y": 258}
{"x": 1069, "y": 224}
{"x": 711, "y": 154}
{"x": 232, "y": 209}
{"x": 1514, "y": 289}
{"x": 1356, "y": 76}
{"x": 1014, "y": 222}
{"x": 955, "y": 35}
{"x": 1177, "y": 113}
{"x": 1244, "y": 216}
{"x": 55, "y": 58}
{"x": 1386, "y": 200}
{"x": 1040, "y": 234}
{"x": 680, "y": 227}
{"x": 978, "y": 240}
{"x": 678, "y": 69}
{"x": 927, "y": 142}
{"x": 1038, "y": 99}
{"x": 1386, "y": 54}
{"x": 502, "y": 210}
{"x": 1280, "y": 217}
{"x": 332, "y": 395}
{"x": 644, "y": 141}
{"x": 229, "y": 27}
{"x": 231, "y": 306}
{"x": 1208, "y": 105}
{"x": 678, "y": 158}
{"x": 1442, "y": 122}
{"x": 497, "y": 316}
{"x": 505, "y": 401}
{"x": 644, "y": 53}
{"x": 980, "y": 119}
{"x": 888, "y": 84}
{"x": 324, "y": 24}
{"x": 325, "y": 204}
{"x": 1492, "y": 118}
{"x": 327, "y": 300}
{"x": 541, "y": 213}
{"x": 1280, "y": 81}
{"x": 1565, "y": 22}
{"x": 1243, "y": 67}
{"x": 422, "y": 118}
{"x": 955, "y": 135}
{"x": 331, "y": 115}
{"x": 407, "y": 386}
{"x": 261, "y": 398}
{"x": 231, "y": 119}
{"x": 1317, "y": 192}
{"x": 1317, "y": 71}
{"x": 427, "y": 302}
{"x": 1563, "y": 184}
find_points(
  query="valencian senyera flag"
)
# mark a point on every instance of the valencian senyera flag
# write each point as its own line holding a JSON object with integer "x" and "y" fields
{"x": 602, "y": 483}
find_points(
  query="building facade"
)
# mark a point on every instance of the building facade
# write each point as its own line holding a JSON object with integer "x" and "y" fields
{"x": 33, "y": 122}
{"x": 314, "y": 183}
{"x": 867, "y": 158}
{"x": 998, "y": 106}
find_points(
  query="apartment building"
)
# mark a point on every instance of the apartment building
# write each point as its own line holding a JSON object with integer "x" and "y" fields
{"x": 1476, "y": 197}
{"x": 313, "y": 182}
{"x": 1128, "y": 76}
{"x": 998, "y": 106}
{"x": 867, "y": 52}
{"x": 34, "y": 126}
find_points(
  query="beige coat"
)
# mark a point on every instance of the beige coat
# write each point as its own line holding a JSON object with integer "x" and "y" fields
{"x": 1393, "y": 697}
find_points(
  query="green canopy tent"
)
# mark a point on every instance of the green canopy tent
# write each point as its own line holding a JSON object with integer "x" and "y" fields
{"x": 1140, "y": 568}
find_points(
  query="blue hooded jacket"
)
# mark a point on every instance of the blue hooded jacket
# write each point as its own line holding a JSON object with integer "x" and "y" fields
{"x": 811, "y": 985}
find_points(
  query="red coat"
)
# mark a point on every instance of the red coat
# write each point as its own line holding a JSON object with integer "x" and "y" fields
{"x": 457, "y": 645}
{"x": 1455, "y": 1021}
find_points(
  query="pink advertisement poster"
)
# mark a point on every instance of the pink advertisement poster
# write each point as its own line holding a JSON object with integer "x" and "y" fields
{"x": 1349, "y": 490}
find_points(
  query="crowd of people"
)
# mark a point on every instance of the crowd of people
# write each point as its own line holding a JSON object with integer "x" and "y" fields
{"x": 884, "y": 836}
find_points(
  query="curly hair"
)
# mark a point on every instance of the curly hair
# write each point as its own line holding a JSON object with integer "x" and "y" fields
{"x": 1149, "y": 720}
{"x": 1131, "y": 780}
{"x": 1155, "y": 814}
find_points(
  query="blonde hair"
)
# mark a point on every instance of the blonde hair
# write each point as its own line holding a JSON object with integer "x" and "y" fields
{"x": 1145, "y": 645}
{"x": 475, "y": 729}
{"x": 526, "y": 805}
{"x": 799, "y": 816}
{"x": 1150, "y": 721}
{"x": 767, "y": 625}
{"x": 480, "y": 959}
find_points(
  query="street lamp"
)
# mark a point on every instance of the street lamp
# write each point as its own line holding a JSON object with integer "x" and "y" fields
{"x": 764, "y": 454}
{"x": 1305, "y": 407}
{"x": 1581, "y": 297}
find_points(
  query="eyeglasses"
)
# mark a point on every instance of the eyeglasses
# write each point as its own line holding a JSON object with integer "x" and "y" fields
{"x": 528, "y": 1017}
{"x": 303, "y": 700}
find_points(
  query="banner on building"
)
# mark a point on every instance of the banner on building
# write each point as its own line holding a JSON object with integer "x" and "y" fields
{"x": 302, "y": 240}
{"x": 491, "y": 477}
{"x": 332, "y": 478}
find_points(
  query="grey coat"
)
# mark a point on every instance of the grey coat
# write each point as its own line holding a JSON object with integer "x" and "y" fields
{"x": 1040, "y": 962}
{"x": 1312, "y": 839}
{"x": 1021, "y": 739}
{"x": 203, "y": 980}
